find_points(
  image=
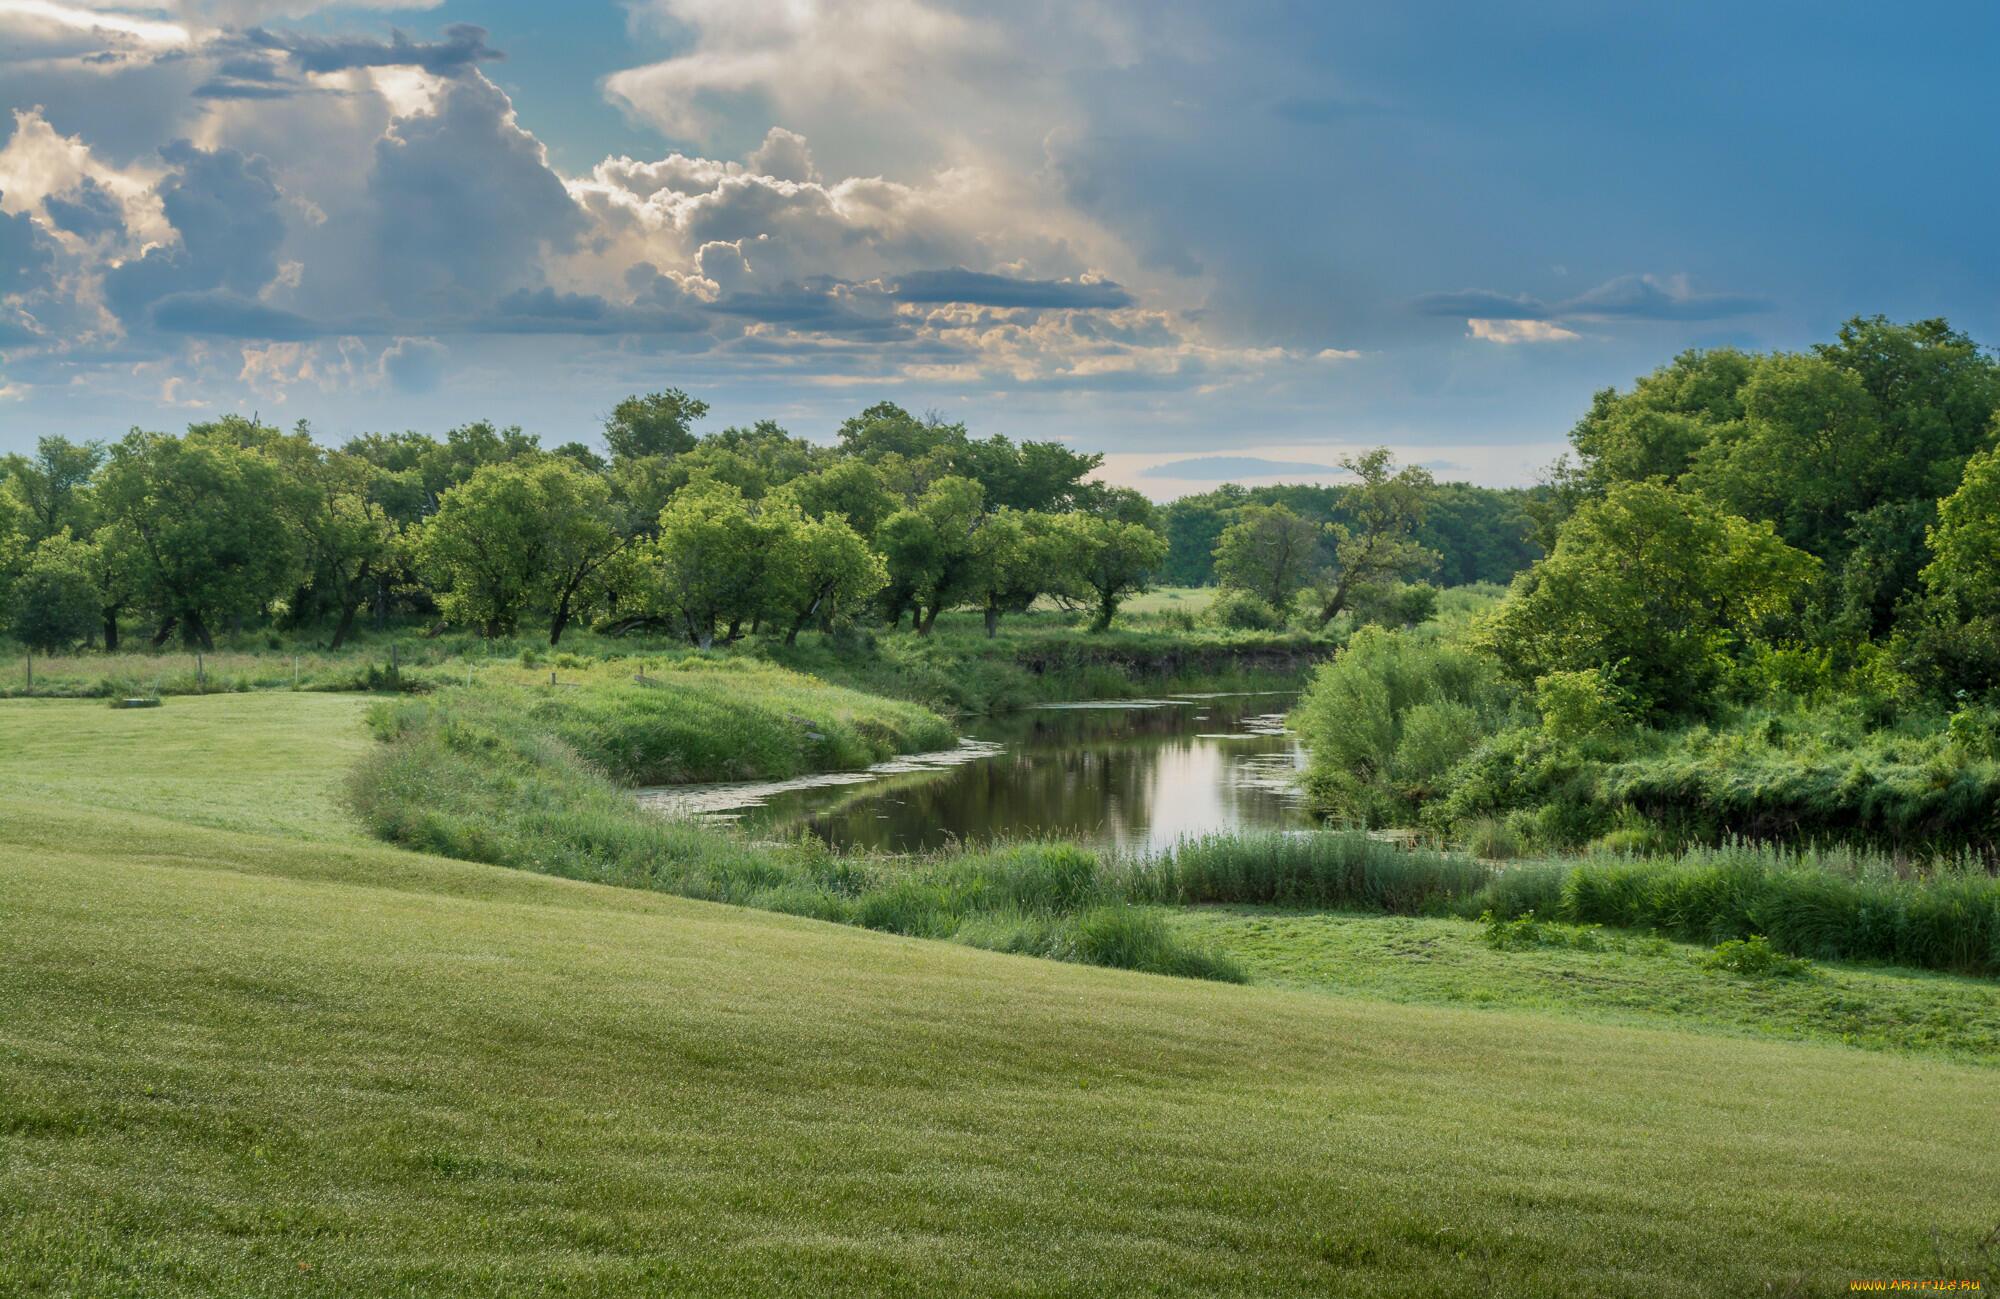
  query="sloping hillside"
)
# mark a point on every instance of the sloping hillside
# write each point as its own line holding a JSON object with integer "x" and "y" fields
{"x": 246, "y": 1052}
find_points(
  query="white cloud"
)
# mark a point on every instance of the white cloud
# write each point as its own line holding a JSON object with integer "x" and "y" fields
{"x": 872, "y": 54}
{"x": 1519, "y": 331}
{"x": 45, "y": 17}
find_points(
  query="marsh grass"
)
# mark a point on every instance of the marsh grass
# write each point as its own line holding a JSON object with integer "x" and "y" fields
{"x": 1327, "y": 869}
{"x": 1822, "y": 904}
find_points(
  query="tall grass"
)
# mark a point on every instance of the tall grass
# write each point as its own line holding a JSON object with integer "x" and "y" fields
{"x": 1330, "y": 869}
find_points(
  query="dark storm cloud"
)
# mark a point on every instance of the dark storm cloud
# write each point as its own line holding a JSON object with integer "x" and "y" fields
{"x": 546, "y": 311}
{"x": 222, "y": 314}
{"x": 464, "y": 46}
{"x": 93, "y": 211}
{"x": 978, "y": 288}
{"x": 1628, "y": 297}
{"x": 1641, "y": 297}
{"x": 1482, "y": 304}
{"x": 224, "y": 205}
{"x": 26, "y": 258}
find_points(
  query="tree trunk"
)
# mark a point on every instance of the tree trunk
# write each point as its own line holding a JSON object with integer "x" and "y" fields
{"x": 195, "y": 632}
{"x": 381, "y": 602}
{"x": 110, "y": 631}
{"x": 559, "y": 621}
{"x": 806, "y": 616}
{"x": 992, "y": 620}
{"x": 341, "y": 629}
{"x": 1107, "y": 609}
{"x": 1335, "y": 603}
{"x": 925, "y": 619}
{"x": 735, "y": 632}
{"x": 166, "y": 630}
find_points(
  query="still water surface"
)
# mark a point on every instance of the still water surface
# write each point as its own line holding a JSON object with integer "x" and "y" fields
{"x": 1131, "y": 774}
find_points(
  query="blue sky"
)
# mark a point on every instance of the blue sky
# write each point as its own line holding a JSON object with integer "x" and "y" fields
{"x": 1165, "y": 231}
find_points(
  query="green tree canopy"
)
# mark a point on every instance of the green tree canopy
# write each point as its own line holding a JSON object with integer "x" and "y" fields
{"x": 1270, "y": 552}
{"x": 1965, "y": 543}
{"x": 1658, "y": 586}
{"x": 55, "y": 601}
{"x": 53, "y": 485}
{"x": 657, "y": 424}
{"x": 201, "y": 525}
{"x": 515, "y": 537}
{"x": 814, "y": 568}
{"x": 1112, "y": 560}
{"x": 1379, "y": 544}
{"x": 928, "y": 548}
{"x": 708, "y": 561}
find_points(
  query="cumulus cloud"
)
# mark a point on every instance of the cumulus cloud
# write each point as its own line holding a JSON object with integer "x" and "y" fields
{"x": 402, "y": 202}
{"x": 1518, "y": 331}
{"x": 413, "y": 364}
{"x": 224, "y": 208}
{"x": 783, "y": 156}
{"x": 466, "y": 204}
{"x": 869, "y": 53}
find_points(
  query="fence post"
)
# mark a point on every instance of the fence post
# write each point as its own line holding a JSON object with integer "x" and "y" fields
{"x": 200, "y": 675}
{"x": 295, "y": 672}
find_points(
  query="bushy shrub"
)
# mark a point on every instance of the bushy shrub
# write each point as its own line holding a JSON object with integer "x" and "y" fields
{"x": 1240, "y": 610}
{"x": 1388, "y": 717}
{"x": 1394, "y": 604}
{"x": 1525, "y": 933}
{"x": 1755, "y": 958}
{"x": 1581, "y": 704}
{"x": 1489, "y": 838}
{"x": 1801, "y": 674}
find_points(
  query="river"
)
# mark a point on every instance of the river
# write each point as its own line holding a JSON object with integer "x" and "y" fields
{"x": 1130, "y": 774}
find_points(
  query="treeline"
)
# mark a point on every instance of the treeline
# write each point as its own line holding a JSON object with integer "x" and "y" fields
{"x": 1770, "y": 605}
{"x": 708, "y": 537}
{"x": 1479, "y": 534}
{"x": 236, "y": 522}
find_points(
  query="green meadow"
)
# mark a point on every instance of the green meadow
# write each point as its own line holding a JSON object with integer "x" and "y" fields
{"x": 251, "y": 1051}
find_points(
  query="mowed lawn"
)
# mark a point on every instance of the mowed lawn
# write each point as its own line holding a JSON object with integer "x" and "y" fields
{"x": 244, "y": 1051}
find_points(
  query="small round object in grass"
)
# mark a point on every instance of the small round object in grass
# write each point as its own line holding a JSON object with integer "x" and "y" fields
{"x": 137, "y": 701}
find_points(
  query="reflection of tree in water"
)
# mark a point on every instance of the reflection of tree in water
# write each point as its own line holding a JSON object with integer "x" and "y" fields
{"x": 1118, "y": 775}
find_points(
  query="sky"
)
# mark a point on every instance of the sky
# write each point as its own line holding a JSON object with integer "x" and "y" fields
{"x": 1210, "y": 241}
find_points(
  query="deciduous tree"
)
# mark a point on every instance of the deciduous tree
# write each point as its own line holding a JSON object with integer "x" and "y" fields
{"x": 1655, "y": 585}
{"x": 1378, "y": 545}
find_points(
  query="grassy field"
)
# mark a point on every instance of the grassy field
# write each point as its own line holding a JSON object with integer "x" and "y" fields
{"x": 1615, "y": 977}
{"x": 1037, "y": 657}
{"x": 247, "y": 1052}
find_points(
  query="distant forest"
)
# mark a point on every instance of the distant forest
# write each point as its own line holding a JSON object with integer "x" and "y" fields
{"x": 1480, "y": 534}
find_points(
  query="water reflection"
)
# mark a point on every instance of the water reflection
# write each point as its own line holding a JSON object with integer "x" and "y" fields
{"x": 1135, "y": 775}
